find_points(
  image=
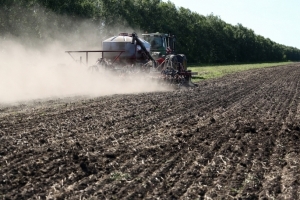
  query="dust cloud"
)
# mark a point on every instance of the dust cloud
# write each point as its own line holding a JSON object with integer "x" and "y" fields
{"x": 32, "y": 73}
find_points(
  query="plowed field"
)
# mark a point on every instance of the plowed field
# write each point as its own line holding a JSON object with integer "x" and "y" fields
{"x": 236, "y": 137}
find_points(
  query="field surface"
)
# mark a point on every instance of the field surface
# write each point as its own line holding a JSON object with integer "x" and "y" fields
{"x": 235, "y": 137}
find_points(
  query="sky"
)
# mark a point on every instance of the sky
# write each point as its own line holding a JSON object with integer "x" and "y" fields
{"x": 278, "y": 20}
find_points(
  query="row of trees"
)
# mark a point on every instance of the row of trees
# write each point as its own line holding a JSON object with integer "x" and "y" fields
{"x": 206, "y": 39}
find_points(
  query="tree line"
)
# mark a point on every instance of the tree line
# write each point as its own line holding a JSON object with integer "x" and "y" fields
{"x": 205, "y": 39}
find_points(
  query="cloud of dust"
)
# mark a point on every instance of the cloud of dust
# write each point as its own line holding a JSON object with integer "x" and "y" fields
{"x": 30, "y": 73}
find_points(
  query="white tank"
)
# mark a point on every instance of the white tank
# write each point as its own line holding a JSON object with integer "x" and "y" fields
{"x": 122, "y": 42}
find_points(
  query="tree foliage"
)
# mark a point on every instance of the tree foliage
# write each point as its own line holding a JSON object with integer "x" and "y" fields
{"x": 206, "y": 39}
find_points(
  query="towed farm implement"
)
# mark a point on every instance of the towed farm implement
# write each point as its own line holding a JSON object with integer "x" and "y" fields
{"x": 152, "y": 56}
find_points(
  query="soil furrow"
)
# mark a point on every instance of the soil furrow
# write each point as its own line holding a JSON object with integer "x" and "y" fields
{"x": 232, "y": 137}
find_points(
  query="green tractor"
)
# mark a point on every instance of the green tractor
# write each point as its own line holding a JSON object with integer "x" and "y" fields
{"x": 154, "y": 54}
{"x": 163, "y": 50}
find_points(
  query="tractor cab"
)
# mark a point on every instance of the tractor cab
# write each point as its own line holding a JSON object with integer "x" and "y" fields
{"x": 161, "y": 44}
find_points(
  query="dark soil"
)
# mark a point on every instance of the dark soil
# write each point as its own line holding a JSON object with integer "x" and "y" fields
{"x": 235, "y": 137}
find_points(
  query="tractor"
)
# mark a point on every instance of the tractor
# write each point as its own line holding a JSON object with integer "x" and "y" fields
{"x": 153, "y": 55}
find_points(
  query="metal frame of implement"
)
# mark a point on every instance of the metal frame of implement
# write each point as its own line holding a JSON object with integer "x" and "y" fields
{"x": 93, "y": 51}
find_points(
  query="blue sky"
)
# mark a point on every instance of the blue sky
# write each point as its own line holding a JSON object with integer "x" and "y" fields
{"x": 278, "y": 20}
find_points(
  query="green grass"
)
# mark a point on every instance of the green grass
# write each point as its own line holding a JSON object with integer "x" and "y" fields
{"x": 208, "y": 72}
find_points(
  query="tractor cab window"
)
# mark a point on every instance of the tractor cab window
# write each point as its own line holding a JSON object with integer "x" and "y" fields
{"x": 156, "y": 42}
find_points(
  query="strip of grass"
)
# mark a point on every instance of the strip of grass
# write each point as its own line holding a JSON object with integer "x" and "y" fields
{"x": 208, "y": 72}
